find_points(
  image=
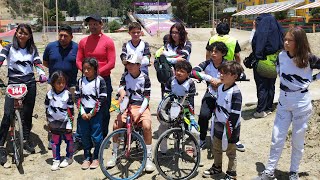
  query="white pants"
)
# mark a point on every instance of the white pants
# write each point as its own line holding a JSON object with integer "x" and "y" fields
{"x": 295, "y": 108}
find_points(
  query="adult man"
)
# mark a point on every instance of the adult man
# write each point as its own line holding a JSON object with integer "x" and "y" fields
{"x": 102, "y": 48}
{"x": 234, "y": 49}
{"x": 61, "y": 55}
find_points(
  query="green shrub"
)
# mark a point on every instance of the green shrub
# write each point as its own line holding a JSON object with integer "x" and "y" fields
{"x": 114, "y": 25}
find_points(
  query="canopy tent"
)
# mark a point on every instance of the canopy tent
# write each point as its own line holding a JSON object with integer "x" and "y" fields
{"x": 311, "y": 5}
{"x": 268, "y": 8}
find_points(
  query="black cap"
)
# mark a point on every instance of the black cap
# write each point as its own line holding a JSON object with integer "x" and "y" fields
{"x": 95, "y": 17}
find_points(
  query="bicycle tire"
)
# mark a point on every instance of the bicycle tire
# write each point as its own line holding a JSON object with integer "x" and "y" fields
{"x": 166, "y": 163}
{"x": 18, "y": 140}
{"x": 119, "y": 171}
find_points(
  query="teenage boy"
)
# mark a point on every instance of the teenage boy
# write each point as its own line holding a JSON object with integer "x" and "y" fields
{"x": 137, "y": 46}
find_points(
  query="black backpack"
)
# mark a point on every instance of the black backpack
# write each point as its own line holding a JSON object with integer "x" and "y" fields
{"x": 163, "y": 69}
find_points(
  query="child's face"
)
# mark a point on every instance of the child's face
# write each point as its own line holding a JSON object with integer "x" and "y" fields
{"x": 133, "y": 68}
{"x": 135, "y": 34}
{"x": 175, "y": 35}
{"x": 216, "y": 55}
{"x": 181, "y": 75}
{"x": 289, "y": 43}
{"x": 88, "y": 71}
{"x": 228, "y": 78}
{"x": 59, "y": 85}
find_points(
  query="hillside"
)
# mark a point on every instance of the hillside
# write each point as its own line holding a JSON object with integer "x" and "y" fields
{"x": 4, "y": 10}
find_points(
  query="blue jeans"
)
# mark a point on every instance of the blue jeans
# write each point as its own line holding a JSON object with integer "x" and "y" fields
{"x": 105, "y": 107}
{"x": 91, "y": 131}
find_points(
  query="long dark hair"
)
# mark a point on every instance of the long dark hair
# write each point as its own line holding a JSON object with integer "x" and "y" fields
{"x": 182, "y": 34}
{"x": 26, "y": 28}
{"x": 302, "y": 47}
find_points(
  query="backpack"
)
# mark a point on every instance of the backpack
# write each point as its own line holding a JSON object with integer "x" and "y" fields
{"x": 163, "y": 69}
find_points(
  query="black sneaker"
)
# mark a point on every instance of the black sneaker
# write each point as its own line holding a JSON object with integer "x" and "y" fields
{"x": 214, "y": 170}
{"x": 3, "y": 155}
{"x": 28, "y": 146}
{"x": 229, "y": 177}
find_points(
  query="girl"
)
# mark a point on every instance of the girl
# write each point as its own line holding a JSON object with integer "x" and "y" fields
{"x": 91, "y": 92}
{"x": 22, "y": 56}
{"x": 179, "y": 47}
{"x": 59, "y": 111}
{"x": 294, "y": 66}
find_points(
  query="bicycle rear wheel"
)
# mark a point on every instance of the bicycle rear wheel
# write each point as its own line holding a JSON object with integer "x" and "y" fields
{"x": 182, "y": 157}
{"x": 18, "y": 140}
{"x": 126, "y": 167}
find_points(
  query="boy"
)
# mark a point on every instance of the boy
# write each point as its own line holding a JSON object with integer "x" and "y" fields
{"x": 227, "y": 120}
{"x": 179, "y": 85}
{"x": 135, "y": 80}
{"x": 208, "y": 71}
{"x": 137, "y": 46}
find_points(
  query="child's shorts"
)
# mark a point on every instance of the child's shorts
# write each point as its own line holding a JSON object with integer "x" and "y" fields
{"x": 145, "y": 116}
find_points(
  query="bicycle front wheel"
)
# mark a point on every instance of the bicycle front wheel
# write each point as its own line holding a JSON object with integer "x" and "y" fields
{"x": 124, "y": 163}
{"x": 177, "y": 155}
{"x": 18, "y": 139}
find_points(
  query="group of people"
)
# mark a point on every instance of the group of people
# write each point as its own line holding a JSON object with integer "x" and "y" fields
{"x": 95, "y": 57}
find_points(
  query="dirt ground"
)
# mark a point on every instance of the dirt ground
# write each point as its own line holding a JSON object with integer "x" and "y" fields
{"x": 255, "y": 133}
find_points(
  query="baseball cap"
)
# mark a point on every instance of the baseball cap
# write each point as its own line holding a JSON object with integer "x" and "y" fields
{"x": 94, "y": 17}
{"x": 132, "y": 58}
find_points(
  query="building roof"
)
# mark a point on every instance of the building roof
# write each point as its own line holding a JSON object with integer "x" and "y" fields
{"x": 269, "y": 8}
{"x": 311, "y": 5}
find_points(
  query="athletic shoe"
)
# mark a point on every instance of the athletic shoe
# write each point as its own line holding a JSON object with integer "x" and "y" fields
{"x": 229, "y": 177}
{"x": 55, "y": 165}
{"x": 3, "y": 155}
{"x": 268, "y": 112}
{"x": 214, "y": 170}
{"x": 149, "y": 164}
{"x": 66, "y": 162}
{"x": 27, "y": 145}
{"x": 240, "y": 147}
{"x": 260, "y": 114}
{"x": 293, "y": 176}
{"x": 112, "y": 162}
{"x": 85, "y": 165}
{"x": 266, "y": 176}
{"x": 94, "y": 164}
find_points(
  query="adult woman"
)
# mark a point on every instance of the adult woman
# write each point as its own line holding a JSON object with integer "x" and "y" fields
{"x": 179, "y": 47}
{"x": 21, "y": 55}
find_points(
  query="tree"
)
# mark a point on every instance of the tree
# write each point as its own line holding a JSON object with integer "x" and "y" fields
{"x": 52, "y": 4}
{"x": 113, "y": 25}
{"x": 73, "y": 8}
{"x": 63, "y": 5}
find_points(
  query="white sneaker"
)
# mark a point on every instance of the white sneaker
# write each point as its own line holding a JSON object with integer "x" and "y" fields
{"x": 112, "y": 162}
{"x": 55, "y": 165}
{"x": 261, "y": 114}
{"x": 266, "y": 176}
{"x": 149, "y": 164}
{"x": 66, "y": 162}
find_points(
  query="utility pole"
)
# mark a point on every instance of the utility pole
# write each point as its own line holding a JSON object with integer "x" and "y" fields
{"x": 43, "y": 19}
{"x": 158, "y": 32}
{"x": 57, "y": 18}
{"x": 213, "y": 25}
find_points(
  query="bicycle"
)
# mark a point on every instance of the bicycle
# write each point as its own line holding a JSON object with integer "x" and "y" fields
{"x": 184, "y": 147}
{"x": 131, "y": 160}
{"x": 17, "y": 92}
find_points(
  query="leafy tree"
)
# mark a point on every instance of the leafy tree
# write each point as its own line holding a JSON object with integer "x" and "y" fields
{"x": 52, "y": 4}
{"x": 114, "y": 25}
{"x": 63, "y": 5}
{"x": 73, "y": 8}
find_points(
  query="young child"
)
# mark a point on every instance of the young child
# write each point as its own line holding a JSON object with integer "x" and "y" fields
{"x": 137, "y": 46}
{"x": 91, "y": 92}
{"x": 227, "y": 120}
{"x": 294, "y": 67}
{"x": 59, "y": 112}
{"x": 135, "y": 80}
{"x": 179, "y": 85}
{"x": 208, "y": 71}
